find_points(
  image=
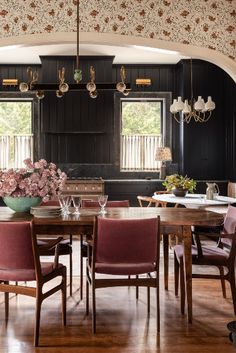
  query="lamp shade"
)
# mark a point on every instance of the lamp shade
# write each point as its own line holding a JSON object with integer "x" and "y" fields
{"x": 163, "y": 154}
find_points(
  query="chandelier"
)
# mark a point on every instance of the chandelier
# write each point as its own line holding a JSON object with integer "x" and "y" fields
{"x": 198, "y": 110}
{"x": 62, "y": 87}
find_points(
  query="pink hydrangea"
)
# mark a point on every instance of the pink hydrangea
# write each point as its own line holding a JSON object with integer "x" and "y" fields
{"x": 39, "y": 179}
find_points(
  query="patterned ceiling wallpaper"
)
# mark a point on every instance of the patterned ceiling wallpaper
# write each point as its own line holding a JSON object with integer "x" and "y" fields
{"x": 205, "y": 23}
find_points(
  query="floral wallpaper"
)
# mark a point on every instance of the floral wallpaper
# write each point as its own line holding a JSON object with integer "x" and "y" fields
{"x": 205, "y": 23}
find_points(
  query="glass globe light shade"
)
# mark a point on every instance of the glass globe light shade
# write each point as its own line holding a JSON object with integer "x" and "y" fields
{"x": 64, "y": 87}
{"x": 59, "y": 94}
{"x": 40, "y": 94}
{"x": 24, "y": 87}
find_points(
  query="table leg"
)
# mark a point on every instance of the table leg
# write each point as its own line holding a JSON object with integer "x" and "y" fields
{"x": 187, "y": 238}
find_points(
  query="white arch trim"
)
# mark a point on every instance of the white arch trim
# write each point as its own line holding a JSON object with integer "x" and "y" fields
{"x": 213, "y": 56}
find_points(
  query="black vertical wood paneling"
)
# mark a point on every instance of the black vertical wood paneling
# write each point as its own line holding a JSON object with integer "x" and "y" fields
{"x": 79, "y": 132}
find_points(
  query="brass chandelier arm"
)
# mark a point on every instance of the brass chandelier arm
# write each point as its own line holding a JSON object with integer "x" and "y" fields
{"x": 196, "y": 109}
{"x": 61, "y": 88}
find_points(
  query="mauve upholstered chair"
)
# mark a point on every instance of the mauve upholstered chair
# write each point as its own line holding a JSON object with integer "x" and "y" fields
{"x": 212, "y": 255}
{"x": 47, "y": 245}
{"x": 124, "y": 247}
{"x": 20, "y": 262}
{"x": 83, "y": 244}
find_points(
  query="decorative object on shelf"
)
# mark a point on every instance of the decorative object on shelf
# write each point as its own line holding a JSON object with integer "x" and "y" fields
{"x": 63, "y": 87}
{"x": 198, "y": 110}
{"x": 163, "y": 154}
{"x": 179, "y": 185}
{"x": 39, "y": 181}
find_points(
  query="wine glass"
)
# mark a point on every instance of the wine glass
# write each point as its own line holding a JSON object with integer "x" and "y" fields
{"x": 65, "y": 202}
{"x": 76, "y": 200}
{"x": 102, "y": 200}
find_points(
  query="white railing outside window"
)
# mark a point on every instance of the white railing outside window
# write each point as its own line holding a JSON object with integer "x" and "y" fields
{"x": 14, "y": 149}
{"x": 4, "y": 151}
{"x": 138, "y": 152}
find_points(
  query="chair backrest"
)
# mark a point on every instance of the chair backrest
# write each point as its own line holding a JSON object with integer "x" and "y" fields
{"x": 16, "y": 247}
{"x": 230, "y": 220}
{"x": 94, "y": 203}
{"x": 126, "y": 240}
{"x": 146, "y": 201}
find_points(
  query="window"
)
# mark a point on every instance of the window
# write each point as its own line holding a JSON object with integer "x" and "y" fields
{"x": 140, "y": 133}
{"x": 16, "y": 138}
{"x": 142, "y": 122}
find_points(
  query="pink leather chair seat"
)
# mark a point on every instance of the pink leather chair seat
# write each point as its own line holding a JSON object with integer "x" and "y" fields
{"x": 215, "y": 255}
{"x": 26, "y": 275}
{"x": 124, "y": 269}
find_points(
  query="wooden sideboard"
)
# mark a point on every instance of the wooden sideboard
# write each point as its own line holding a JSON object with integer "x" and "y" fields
{"x": 86, "y": 188}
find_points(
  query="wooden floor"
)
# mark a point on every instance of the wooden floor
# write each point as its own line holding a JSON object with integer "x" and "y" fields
{"x": 122, "y": 323}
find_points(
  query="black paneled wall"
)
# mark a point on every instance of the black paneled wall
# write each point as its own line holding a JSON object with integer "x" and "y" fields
{"x": 78, "y": 132}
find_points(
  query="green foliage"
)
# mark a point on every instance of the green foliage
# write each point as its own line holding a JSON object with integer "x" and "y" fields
{"x": 15, "y": 118}
{"x": 141, "y": 118}
{"x": 179, "y": 181}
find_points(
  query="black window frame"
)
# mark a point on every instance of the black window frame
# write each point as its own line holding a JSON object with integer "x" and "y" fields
{"x": 166, "y": 125}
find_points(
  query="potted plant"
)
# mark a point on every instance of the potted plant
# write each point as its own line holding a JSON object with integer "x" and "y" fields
{"x": 27, "y": 187}
{"x": 179, "y": 184}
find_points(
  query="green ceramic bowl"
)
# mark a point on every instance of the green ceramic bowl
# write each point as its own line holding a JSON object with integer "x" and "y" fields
{"x": 21, "y": 204}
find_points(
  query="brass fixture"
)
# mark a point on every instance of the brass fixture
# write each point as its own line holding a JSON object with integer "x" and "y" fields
{"x": 64, "y": 87}
{"x": 198, "y": 110}
{"x": 143, "y": 82}
{"x": 9, "y": 82}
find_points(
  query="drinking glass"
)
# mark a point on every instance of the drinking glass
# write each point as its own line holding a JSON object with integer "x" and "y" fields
{"x": 102, "y": 200}
{"x": 65, "y": 202}
{"x": 76, "y": 200}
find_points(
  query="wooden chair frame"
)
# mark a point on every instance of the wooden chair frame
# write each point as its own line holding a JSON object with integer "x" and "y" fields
{"x": 37, "y": 292}
{"x": 95, "y": 283}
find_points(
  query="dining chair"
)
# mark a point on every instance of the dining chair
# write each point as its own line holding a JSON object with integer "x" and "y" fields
{"x": 147, "y": 201}
{"x": 20, "y": 262}
{"x": 124, "y": 247}
{"x": 47, "y": 245}
{"x": 86, "y": 203}
{"x": 211, "y": 255}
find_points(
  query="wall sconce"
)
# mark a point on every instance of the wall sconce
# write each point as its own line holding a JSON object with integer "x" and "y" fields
{"x": 9, "y": 82}
{"x": 143, "y": 81}
{"x": 163, "y": 154}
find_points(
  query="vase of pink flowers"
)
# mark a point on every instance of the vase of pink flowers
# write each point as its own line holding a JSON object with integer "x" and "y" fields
{"x": 29, "y": 186}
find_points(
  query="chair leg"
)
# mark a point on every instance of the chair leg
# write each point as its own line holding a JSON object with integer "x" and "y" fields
{"x": 148, "y": 300}
{"x": 6, "y": 298}
{"x": 221, "y": 269}
{"x": 182, "y": 286}
{"x": 81, "y": 266}
{"x": 137, "y": 291}
{"x": 94, "y": 308}
{"x": 166, "y": 258}
{"x": 87, "y": 293}
{"x": 71, "y": 273}
{"x": 64, "y": 297}
{"x": 37, "y": 317}
{"x": 158, "y": 301}
{"x": 233, "y": 289}
{"x": 176, "y": 271}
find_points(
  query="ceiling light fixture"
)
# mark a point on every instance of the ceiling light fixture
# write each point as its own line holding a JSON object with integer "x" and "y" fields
{"x": 198, "y": 110}
{"x": 63, "y": 87}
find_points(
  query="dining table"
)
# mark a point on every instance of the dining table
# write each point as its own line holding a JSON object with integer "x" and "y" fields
{"x": 218, "y": 204}
{"x": 178, "y": 220}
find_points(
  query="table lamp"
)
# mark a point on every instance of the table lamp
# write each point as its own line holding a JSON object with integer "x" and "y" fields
{"x": 163, "y": 154}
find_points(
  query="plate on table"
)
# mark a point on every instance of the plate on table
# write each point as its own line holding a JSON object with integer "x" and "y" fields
{"x": 46, "y": 211}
